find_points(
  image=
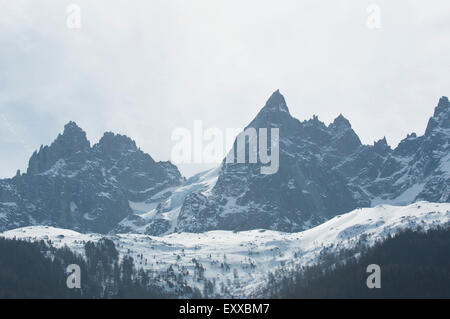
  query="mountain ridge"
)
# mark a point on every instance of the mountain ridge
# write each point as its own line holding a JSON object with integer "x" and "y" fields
{"x": 88, "y": 188}
{"x": 325, "y": 170}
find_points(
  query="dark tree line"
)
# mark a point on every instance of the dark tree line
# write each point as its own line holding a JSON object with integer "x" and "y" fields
{"x": 414, "y": 264}
{"x": 38, "y": 270}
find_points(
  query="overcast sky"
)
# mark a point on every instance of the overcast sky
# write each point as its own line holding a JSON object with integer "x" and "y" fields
{"x": 143, "y": 68}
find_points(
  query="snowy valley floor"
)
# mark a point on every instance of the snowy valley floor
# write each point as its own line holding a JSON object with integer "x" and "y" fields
{"x": 238, "y": 263}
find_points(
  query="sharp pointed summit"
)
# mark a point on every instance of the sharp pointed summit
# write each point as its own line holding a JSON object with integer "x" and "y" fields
{"x": 341, "y": 120}
{"x": 321, "y": 171}
{"x": 340, "y": 124}
{"x": 71, "y": 142}
{"x": 381, "y": 146}
{"x": 71, "y": 125}
{"x": 443, "y": 107}
{"x": 115, "y": 144}
{"x": 73, "y": 137}
{"x": 275, "y": 113}
{"x": 441, "y": 116}
{"x": 444, "y": 102}
{"x": 277, "y": 102}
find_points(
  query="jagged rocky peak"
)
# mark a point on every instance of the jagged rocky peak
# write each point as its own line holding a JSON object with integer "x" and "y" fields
{"x": 70, "y": 184}
{"x": 381, "y": 146}
{"x": 408, "y": 146}
{"x": 315, "y": 119}
{"x": 276, "y": 102}
{"x": 340, "y": 124}
{"x": 115, "y": 144}
{"x": 72, "y": 141}
{"x": 275, "y": 113}
{"x": 341, "y": 121}
{"x": 442, "y": 107}
{"x": 382, "y": 142}
{"x": 344, "y": 139}
{"x": 441, "y": 116}
{"x": 315, "y": 124}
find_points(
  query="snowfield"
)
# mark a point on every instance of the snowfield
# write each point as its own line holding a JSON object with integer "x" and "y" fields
{"x": 241, "y": 261}
{"x": 169, "y": 209}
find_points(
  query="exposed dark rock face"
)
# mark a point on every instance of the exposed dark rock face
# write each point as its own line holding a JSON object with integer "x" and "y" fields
{"x": 324, "y": 171}
{"x": 70, "y": 184}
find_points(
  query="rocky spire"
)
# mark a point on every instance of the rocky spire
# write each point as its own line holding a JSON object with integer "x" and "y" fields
{"x": 276, "y": 102}
{"x": 344, "y": 139}
{"x": 381, "y": 146}
{"x": 72, "y": 141}
{"x": 275, "y": 113}
{"x": 441, "y": 116}
{"x": 443, "y": 107}
{"x": 340, "y": 124}
{"x": 115, "y": 144}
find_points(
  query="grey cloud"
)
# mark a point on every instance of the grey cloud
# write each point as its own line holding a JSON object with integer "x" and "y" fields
{"x": 142, "y": 68}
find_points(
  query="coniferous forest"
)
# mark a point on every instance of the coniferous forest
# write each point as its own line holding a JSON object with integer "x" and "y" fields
{"x": 38, "y": 270}
{"x": 413, "y": 265}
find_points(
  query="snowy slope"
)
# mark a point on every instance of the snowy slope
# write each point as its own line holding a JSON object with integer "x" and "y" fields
{"x": 159, "y": 214}
{"x": 250, "y": 255}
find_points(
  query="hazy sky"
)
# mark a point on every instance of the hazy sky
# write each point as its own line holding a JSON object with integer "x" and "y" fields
{"x": 143, "y": 68}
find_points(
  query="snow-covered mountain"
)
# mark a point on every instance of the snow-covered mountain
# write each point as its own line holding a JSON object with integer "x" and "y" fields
{"x": 159, "y": 214}
{"x": 73, "y": 185}
{"x": 324, "y": 170}
{"x": 417, "y": 169}
{"x": 238, "y": 262}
